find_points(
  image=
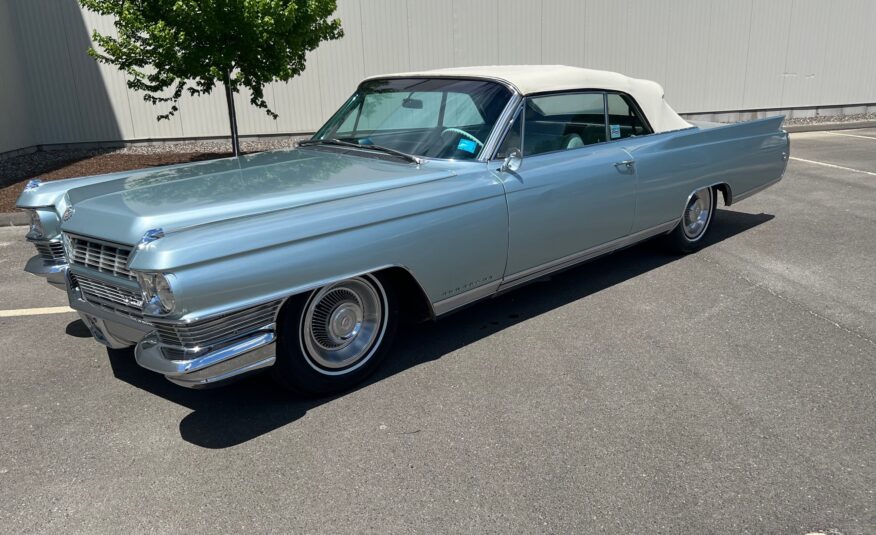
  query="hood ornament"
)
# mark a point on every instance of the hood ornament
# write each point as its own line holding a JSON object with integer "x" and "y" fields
{"x": 68, "y": 213}
{"x": 32, "y": 184}
{"x": 150, "y": 236}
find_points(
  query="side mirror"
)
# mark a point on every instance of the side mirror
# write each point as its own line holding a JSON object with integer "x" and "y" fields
{"x": 512, "y": 161}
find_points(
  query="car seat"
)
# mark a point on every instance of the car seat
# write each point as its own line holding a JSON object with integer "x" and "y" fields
{"x": 572, "y": 141}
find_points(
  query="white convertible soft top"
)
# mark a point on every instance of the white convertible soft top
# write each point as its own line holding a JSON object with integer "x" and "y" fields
{"x": 529, "y": 79}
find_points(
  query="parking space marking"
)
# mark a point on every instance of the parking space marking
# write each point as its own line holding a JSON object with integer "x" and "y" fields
{"x": 34, "y": 311}
{"x": 852, "y": 135}
{"x": 834, "y": 166}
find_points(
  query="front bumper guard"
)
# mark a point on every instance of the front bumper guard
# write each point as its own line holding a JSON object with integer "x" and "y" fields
{"x": 54, "y": 273}
{"x": 107, "y": 327}
{"x": 232, "y": 361}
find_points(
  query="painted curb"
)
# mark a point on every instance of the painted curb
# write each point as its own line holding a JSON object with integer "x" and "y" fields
{"x": 12, "y": 219}
{"x": 822, "y": 127}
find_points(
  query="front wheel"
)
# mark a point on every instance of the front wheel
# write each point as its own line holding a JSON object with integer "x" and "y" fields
{"x": 336, "y": 336}
{"x": 688, "y": 235}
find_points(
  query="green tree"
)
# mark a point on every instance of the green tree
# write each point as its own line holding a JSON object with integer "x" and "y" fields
{"x": 170, "y": 47}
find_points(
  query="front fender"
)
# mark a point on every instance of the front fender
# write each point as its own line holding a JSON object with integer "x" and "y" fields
{"x": 451, "y": 236}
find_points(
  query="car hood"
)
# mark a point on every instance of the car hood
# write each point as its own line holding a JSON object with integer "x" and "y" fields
{"x": 122, "y": 210}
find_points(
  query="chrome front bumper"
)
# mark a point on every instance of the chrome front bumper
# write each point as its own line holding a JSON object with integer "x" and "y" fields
{"x": 53, "y": 272}
{"x": 231, "y": 361}
{"x": 239, "y": 358}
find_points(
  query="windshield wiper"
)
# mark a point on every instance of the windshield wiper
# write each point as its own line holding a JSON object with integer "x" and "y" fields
{"x": 334, "y": 141}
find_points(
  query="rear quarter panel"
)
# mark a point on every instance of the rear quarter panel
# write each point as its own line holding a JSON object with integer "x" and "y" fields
{"x": 746, "y": 156}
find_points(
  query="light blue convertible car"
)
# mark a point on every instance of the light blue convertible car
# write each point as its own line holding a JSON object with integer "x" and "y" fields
{"x": 424, "y": 193}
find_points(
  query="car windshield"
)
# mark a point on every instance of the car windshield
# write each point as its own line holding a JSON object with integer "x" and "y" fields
{"x": 427, "y": 117}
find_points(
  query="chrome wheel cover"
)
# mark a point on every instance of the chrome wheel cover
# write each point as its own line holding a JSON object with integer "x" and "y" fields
{"x": 343, "y": 324}
{"x": 697, "y": 214}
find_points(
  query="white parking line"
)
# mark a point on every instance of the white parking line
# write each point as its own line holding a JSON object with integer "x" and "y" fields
{"x": 834, "y": 166}
{"x": 852, "y": 135}
{"x": 34, "y": 311}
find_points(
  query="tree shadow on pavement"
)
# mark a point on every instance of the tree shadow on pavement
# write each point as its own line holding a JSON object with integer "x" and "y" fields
{"x": 229, "y": 416}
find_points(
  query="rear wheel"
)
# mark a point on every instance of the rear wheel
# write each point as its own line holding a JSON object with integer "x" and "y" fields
{"x": 688, "y": 236}
{"x": 336, "y": 336}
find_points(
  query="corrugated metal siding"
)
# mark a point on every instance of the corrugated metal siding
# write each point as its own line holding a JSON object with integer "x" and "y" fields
{"x": 16, "y": 130}
{"x": 710, "y": 55}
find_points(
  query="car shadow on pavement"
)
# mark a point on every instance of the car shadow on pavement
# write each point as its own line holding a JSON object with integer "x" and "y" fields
{"x": 234, "y": 414}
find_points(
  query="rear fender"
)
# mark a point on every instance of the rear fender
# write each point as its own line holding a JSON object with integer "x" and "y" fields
{"x": 743, "y": 158}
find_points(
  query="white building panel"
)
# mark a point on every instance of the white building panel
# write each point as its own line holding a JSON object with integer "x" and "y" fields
{"x": 709, "y": 55}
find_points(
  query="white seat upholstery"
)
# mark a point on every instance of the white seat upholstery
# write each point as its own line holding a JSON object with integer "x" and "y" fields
{"x": 573, "y": 141}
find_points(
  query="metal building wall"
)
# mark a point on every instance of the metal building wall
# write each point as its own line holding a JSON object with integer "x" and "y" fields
{"x": 15, "y": 129}
{"x": 710, "y": 55}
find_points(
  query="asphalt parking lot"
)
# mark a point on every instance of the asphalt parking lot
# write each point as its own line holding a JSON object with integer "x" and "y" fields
{"x": 729, "y": 391}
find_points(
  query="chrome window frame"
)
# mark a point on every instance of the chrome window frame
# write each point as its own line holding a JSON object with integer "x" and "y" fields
{"x": 605, "y": 93}
{"x": 630, "y": 100}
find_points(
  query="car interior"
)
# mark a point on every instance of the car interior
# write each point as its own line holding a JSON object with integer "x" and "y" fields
{"x": 568, "y": 121}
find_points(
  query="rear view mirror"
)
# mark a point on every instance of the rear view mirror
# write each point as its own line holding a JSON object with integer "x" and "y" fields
{"x": 512, "y": 161}
{"x": 412, "y": 103}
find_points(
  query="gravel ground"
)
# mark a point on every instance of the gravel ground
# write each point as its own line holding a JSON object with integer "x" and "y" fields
{"x": 828, "y": 119}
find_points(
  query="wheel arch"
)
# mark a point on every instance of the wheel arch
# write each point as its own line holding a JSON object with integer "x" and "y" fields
{"x": 723, "y": 187}
{"x": 414, "y": 303}
{"x": 726, "y": 192}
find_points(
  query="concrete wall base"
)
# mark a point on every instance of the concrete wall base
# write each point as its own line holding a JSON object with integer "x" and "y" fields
{"x": 814, "y": 114}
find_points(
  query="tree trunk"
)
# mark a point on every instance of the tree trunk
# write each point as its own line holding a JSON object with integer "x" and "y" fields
{"x": 232, "y": 116}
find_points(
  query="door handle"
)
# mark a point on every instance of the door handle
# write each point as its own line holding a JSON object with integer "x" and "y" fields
{"x": 625, "y": 163}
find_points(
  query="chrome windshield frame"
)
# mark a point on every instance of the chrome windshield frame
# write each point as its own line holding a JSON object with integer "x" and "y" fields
{"x": 497, "y": 133}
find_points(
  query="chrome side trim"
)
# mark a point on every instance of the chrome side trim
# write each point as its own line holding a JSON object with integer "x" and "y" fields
{"x": 569, "y": 261}
{"x": 757, "y": 189}
{"x": 460, "y": 300}
{"x": 457, "y": 301}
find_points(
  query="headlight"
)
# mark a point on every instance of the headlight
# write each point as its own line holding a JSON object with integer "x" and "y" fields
{"x": 37, "y": 231}
{"x": 157, "y": 293}
{"x": 147, "y": 285}
{"x": 164, "y": 292}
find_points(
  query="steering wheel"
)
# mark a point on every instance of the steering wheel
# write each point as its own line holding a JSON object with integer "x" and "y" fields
{"x": 463, "y": 133}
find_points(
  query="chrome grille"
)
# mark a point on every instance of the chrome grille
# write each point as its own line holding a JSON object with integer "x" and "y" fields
{"x": 50, "y": 251}
{"x": 212, "y": 332}
{"x": 104, "y": 257}
{"x": 115, "y": 298}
